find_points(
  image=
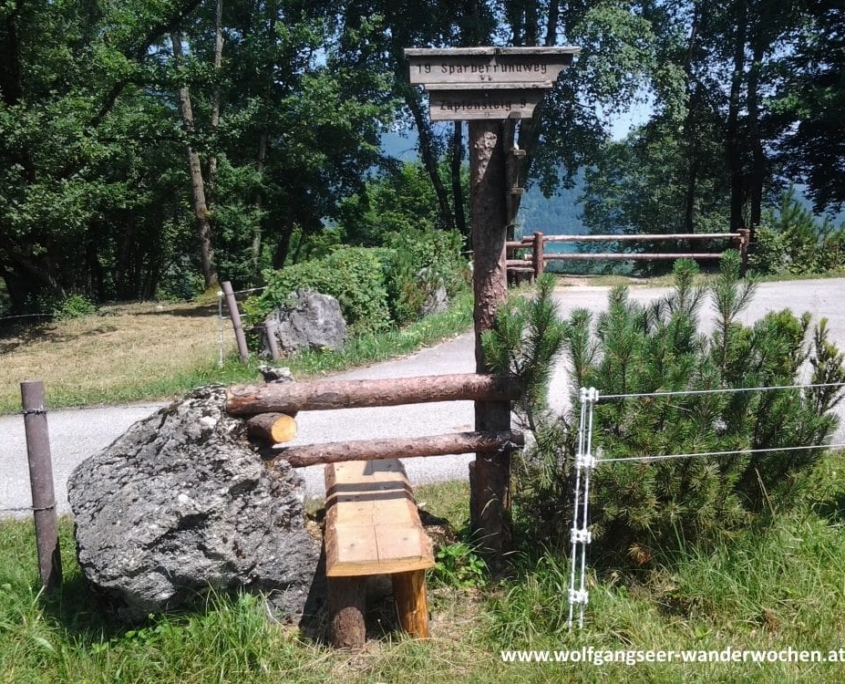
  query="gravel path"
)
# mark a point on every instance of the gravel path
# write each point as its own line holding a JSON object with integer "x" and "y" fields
{"x": 76, "y": 434}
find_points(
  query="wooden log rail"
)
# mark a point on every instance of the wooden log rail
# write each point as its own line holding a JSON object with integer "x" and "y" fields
{"x": 410, "y": 447}
{"x": 288, "y": 398}
{"x": 535, "y": 263}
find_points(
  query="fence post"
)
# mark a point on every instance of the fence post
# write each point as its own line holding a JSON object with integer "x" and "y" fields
{"x": 272, "y": 342}
{"x": 236, "y": 320}
{"x": 744, "y": 240}
{"x": 41, "y": 484}
{"x": 539, "y": 261}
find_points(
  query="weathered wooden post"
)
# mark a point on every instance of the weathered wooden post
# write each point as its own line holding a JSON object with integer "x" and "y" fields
{"x": 41, "y": 483}
{"x": 235, "y": 314}
{"x": 490, "y": 88}
{"x": 538, "y": 258}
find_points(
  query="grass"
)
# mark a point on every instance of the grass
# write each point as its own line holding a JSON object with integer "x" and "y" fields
{"x": 776, "y": 587}
{"x": 149, "y": 351}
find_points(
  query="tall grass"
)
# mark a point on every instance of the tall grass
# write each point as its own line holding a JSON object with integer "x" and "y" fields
{"x": 775, "y": 587}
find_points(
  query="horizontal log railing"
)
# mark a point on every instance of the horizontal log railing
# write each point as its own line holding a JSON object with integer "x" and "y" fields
{"x": 534, "y": 264}
{"x": 411, "y": 447}
{"x": 326, "y": 395}
{"x": 266, "y": 405}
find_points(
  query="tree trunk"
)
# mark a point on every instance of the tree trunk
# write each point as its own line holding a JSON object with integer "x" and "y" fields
{"x": 211, "y": 175}
{"x": 490, "y": 480}
{"x": 733, "y": 140}
{"x": 429, "y": 156}
{"x": 690, "y": 128}
{"x": 457, "y": 186}
{"x": 201, "y": 212}
{"x": 758, "y": 156}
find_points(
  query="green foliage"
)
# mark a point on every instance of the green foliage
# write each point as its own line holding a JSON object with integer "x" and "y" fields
{"x": 420, "y": 263}
{"x": 525, "y": 341}
{"x": 645, "y": 508}
{"x": 353, "y": 275}
{"x": 459, "y": 565}
{"x": 393, "y": 203}
{"x": 74, "y": 306}
{"x": 376, "y": 287}
{"x": 793, "y": 241}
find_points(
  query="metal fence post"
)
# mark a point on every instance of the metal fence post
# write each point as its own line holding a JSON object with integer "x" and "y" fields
{"x": 41, "y": 482}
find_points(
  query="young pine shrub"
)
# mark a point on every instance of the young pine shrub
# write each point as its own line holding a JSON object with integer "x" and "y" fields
{"x": 642, "y": 508}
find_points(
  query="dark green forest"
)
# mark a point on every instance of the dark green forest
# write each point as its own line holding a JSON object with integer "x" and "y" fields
{"x": 152, "y": 148}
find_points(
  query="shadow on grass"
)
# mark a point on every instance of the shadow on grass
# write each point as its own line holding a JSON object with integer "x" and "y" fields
{"x": 90, "y": 618}
{"x": 186, "y": 311}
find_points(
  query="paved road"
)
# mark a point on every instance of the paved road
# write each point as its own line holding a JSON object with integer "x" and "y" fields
{"x": 76, "y": 434}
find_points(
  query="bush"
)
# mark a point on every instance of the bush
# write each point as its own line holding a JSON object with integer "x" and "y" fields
{"x": 376, "y": 287}
{"x": 793, "y": 241}
{"x": 420, "y": 262}
{"x": 641, "y": 508}
{"x": 74, "y": 306}
{"x": 355, "y": 276}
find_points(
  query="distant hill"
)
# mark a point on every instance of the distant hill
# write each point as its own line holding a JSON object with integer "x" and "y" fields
{"x": 556, "y": 215}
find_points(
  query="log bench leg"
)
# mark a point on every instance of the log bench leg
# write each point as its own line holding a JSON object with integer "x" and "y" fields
{"x": 346, "y": 605}
{"x": 411, "y": 603}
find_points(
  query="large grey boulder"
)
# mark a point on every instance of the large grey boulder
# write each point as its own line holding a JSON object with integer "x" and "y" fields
{"x": 309, "y": 321}
{"x": 180, "y": 504}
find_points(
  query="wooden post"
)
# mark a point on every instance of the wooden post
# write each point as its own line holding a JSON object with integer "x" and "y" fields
{"x": 236, "y": 320}
{"x": 41, "y": 483}
{"x": 411, "y": 602}
{"x": 346, "y": 606}
{"x": 272, "y": 342}
{"x": 538, "y": 258}
{"x": 490, "y": 474}
{"x": 743, "y": 243}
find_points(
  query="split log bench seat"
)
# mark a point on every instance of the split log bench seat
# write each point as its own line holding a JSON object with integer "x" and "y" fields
{"x": 373, "y": 528}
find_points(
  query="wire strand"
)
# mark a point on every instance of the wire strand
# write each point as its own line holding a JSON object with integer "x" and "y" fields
{"x": 727, "y": 390}
{"x": 666, "y": 457}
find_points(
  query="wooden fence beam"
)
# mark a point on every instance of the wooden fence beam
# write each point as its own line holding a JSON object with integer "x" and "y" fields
{"x": 641, "y": 238}
{"x": 411, "y": 447}
{"x": 329, "y": 394}
{"x": 635, "y": 256}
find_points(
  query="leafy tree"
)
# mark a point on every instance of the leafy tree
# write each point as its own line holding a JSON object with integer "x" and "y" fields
{"x": 68, "y": 63}
{"x": 810, "y": 105}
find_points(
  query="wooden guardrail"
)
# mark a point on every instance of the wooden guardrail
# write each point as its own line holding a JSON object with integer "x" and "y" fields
{"x": 270, "y": 408}
{"x": 535, "y": 263}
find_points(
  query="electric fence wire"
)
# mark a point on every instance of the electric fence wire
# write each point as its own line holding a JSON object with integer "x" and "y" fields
{"x": 586, "y": 462}
{"x": 725, "y": 390}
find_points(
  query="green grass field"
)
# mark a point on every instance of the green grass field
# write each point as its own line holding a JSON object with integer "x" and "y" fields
{"x": 771, "y": 589}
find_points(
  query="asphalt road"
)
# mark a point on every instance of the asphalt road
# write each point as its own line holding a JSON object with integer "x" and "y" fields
{"x": 77, "y": 434}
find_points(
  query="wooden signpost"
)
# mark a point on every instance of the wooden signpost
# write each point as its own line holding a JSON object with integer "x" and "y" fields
{"x": 488, "y": 86}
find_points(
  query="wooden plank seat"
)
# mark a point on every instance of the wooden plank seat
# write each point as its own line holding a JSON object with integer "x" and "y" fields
{"x": 373, "y": 528}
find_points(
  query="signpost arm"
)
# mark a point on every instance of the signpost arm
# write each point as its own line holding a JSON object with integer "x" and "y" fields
{"x": 490, "y": 472}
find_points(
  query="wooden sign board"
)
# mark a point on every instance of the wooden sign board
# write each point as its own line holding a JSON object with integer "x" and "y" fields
{"x": 467, "y": 84}
{"x": 469, "y": 105}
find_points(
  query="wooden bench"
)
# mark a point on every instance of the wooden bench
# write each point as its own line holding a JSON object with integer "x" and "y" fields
{"x": 373, "y": 528}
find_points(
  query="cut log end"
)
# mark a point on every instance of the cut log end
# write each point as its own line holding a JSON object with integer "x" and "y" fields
{"x": 274, "y": 428}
